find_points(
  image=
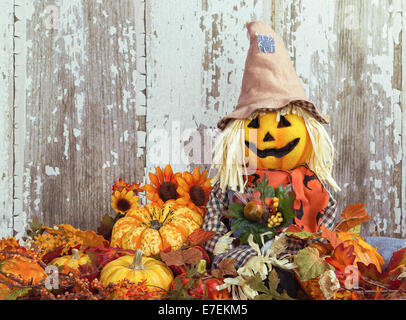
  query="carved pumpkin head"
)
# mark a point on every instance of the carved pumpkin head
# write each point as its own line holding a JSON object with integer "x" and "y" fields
{"x": 278, "y": 139}
{"x": 274, "y": 143}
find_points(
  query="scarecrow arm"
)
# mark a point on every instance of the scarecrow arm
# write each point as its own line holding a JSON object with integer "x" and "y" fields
{"x": 218, "y": 203}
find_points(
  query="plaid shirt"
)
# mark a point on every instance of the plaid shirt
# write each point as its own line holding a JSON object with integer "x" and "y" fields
{"x": 218, "y": 202}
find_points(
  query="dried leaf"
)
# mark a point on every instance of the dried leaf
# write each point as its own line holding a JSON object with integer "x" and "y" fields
{"x": 273, "y": 279}
{"x": 172, "y": 258}
{"x": 225, "y": 268}
{"x": 200, "y": 236}
{"x": 303, "y": 235}
{"x": 352, "y": 216}
{"x": 310, "y": 264}
{"x": 191, "y": 255}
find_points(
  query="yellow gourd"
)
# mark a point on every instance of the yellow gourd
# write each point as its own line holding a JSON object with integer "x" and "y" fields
{"x": 137, "y": 268}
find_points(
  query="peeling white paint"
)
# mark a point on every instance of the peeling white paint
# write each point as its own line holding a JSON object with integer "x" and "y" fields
{"x": 50, "y": 171}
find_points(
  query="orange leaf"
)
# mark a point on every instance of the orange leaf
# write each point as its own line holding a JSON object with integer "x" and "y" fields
{"x": 342, "y": 258}
{"x": 352, "y": 216}
{"x": 200, "y": 236}
{"x": 331, "y": 236}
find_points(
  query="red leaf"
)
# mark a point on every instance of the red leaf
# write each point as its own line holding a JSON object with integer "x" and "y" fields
{"x": 49, "y": 256}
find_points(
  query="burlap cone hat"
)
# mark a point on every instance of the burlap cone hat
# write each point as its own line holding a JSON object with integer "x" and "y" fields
{"x": 270, "y": 81}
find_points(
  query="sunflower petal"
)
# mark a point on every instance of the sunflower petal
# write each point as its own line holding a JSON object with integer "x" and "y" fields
{"x": 196, "y": 175}
{"x": 159, "y": 174}
{"x": 203, "y": 177}
{"x": 154, "y": 180}
{"x": 188, "y": 177}
{"x": 182, "y": 183}
{"x": 150, "y": 188}
{"x": 168, "y": 173}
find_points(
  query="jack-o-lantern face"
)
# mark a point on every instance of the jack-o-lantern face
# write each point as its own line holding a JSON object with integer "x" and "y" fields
{"x": 277, "y": 145}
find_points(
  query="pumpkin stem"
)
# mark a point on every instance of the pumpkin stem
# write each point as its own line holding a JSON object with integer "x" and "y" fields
{"x": 137, "y": 262}
{"x": 75, "y": 254}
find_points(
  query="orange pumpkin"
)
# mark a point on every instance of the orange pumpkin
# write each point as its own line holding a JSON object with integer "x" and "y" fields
{"x": 277, "y": 145}
{"x": 154, "y": 228}
{"x": 23, "y": 268}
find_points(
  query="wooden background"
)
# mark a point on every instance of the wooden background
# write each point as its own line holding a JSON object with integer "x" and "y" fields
{"x": 95, "y": 90}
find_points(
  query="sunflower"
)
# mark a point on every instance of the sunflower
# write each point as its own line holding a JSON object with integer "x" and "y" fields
{"x": 194, "y": 190}
{"x": 124, "y": 201}
{"x": 163, "y": 187}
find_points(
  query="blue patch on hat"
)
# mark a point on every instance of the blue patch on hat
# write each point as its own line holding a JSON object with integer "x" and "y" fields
{"x": 266, "y": 44}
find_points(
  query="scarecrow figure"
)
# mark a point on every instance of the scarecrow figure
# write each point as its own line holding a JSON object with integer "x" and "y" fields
{"x": 274, "y": 130}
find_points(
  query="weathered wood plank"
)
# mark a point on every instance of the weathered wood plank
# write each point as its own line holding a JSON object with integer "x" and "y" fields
{"x": 348, "y": 56}
{"x": 85, "y": 118}
{"x": 6, "y": 117}
{"x": 195, "y": 56}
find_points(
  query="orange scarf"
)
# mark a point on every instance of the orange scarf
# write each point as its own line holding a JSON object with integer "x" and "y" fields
{"x": 311, "y": 198}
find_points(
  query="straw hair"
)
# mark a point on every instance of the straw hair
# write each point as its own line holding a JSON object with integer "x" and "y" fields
{"x": 229, "y": 151}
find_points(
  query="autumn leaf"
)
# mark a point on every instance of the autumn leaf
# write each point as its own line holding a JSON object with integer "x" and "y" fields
{"x": 200, "y": 236}
{"x": 343, "y": 257}
{"x": 172, "y": 258}
{"x": 191, "y": 255}
{"x": 181, "y": 257}
{"x": 395, "y": 268}
{"x": 369, "y": 273}
{"x": 352, "y": 216}
{"x": 106, "y": 226}
{"x": 330, "y": 236}
{"x": 14, "y": 295}
{"x": 88, "y": 238}
{"x": 309, "y": 263}
{"x": 303, "y": 235}
{"x": 225, "y": 268}
{"x": 363, "y": 251}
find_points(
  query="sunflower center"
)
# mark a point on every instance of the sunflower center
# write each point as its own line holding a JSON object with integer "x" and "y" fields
{"x": 123, "y": 205}
{"x": 155, "y": 225}
{"x": 197, "y": 195}
{"x": 167, "y": 191}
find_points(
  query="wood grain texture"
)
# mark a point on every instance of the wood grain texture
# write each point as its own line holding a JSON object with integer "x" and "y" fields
{"x": 349, "y": 57}
{"x": 195, "y": 57}
{"x": 6, "y": 117}
{"x": 97, "y": 85}
{"x": 84, "y": 113}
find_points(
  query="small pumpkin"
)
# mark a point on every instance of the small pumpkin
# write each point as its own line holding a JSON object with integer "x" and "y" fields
{"x": 72, "y": 262}
{"x": 154, "y": 228}
{"x": 277, "y": 145}
{"x": 23, "y": 268}
{"x": 137, "y": 268}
